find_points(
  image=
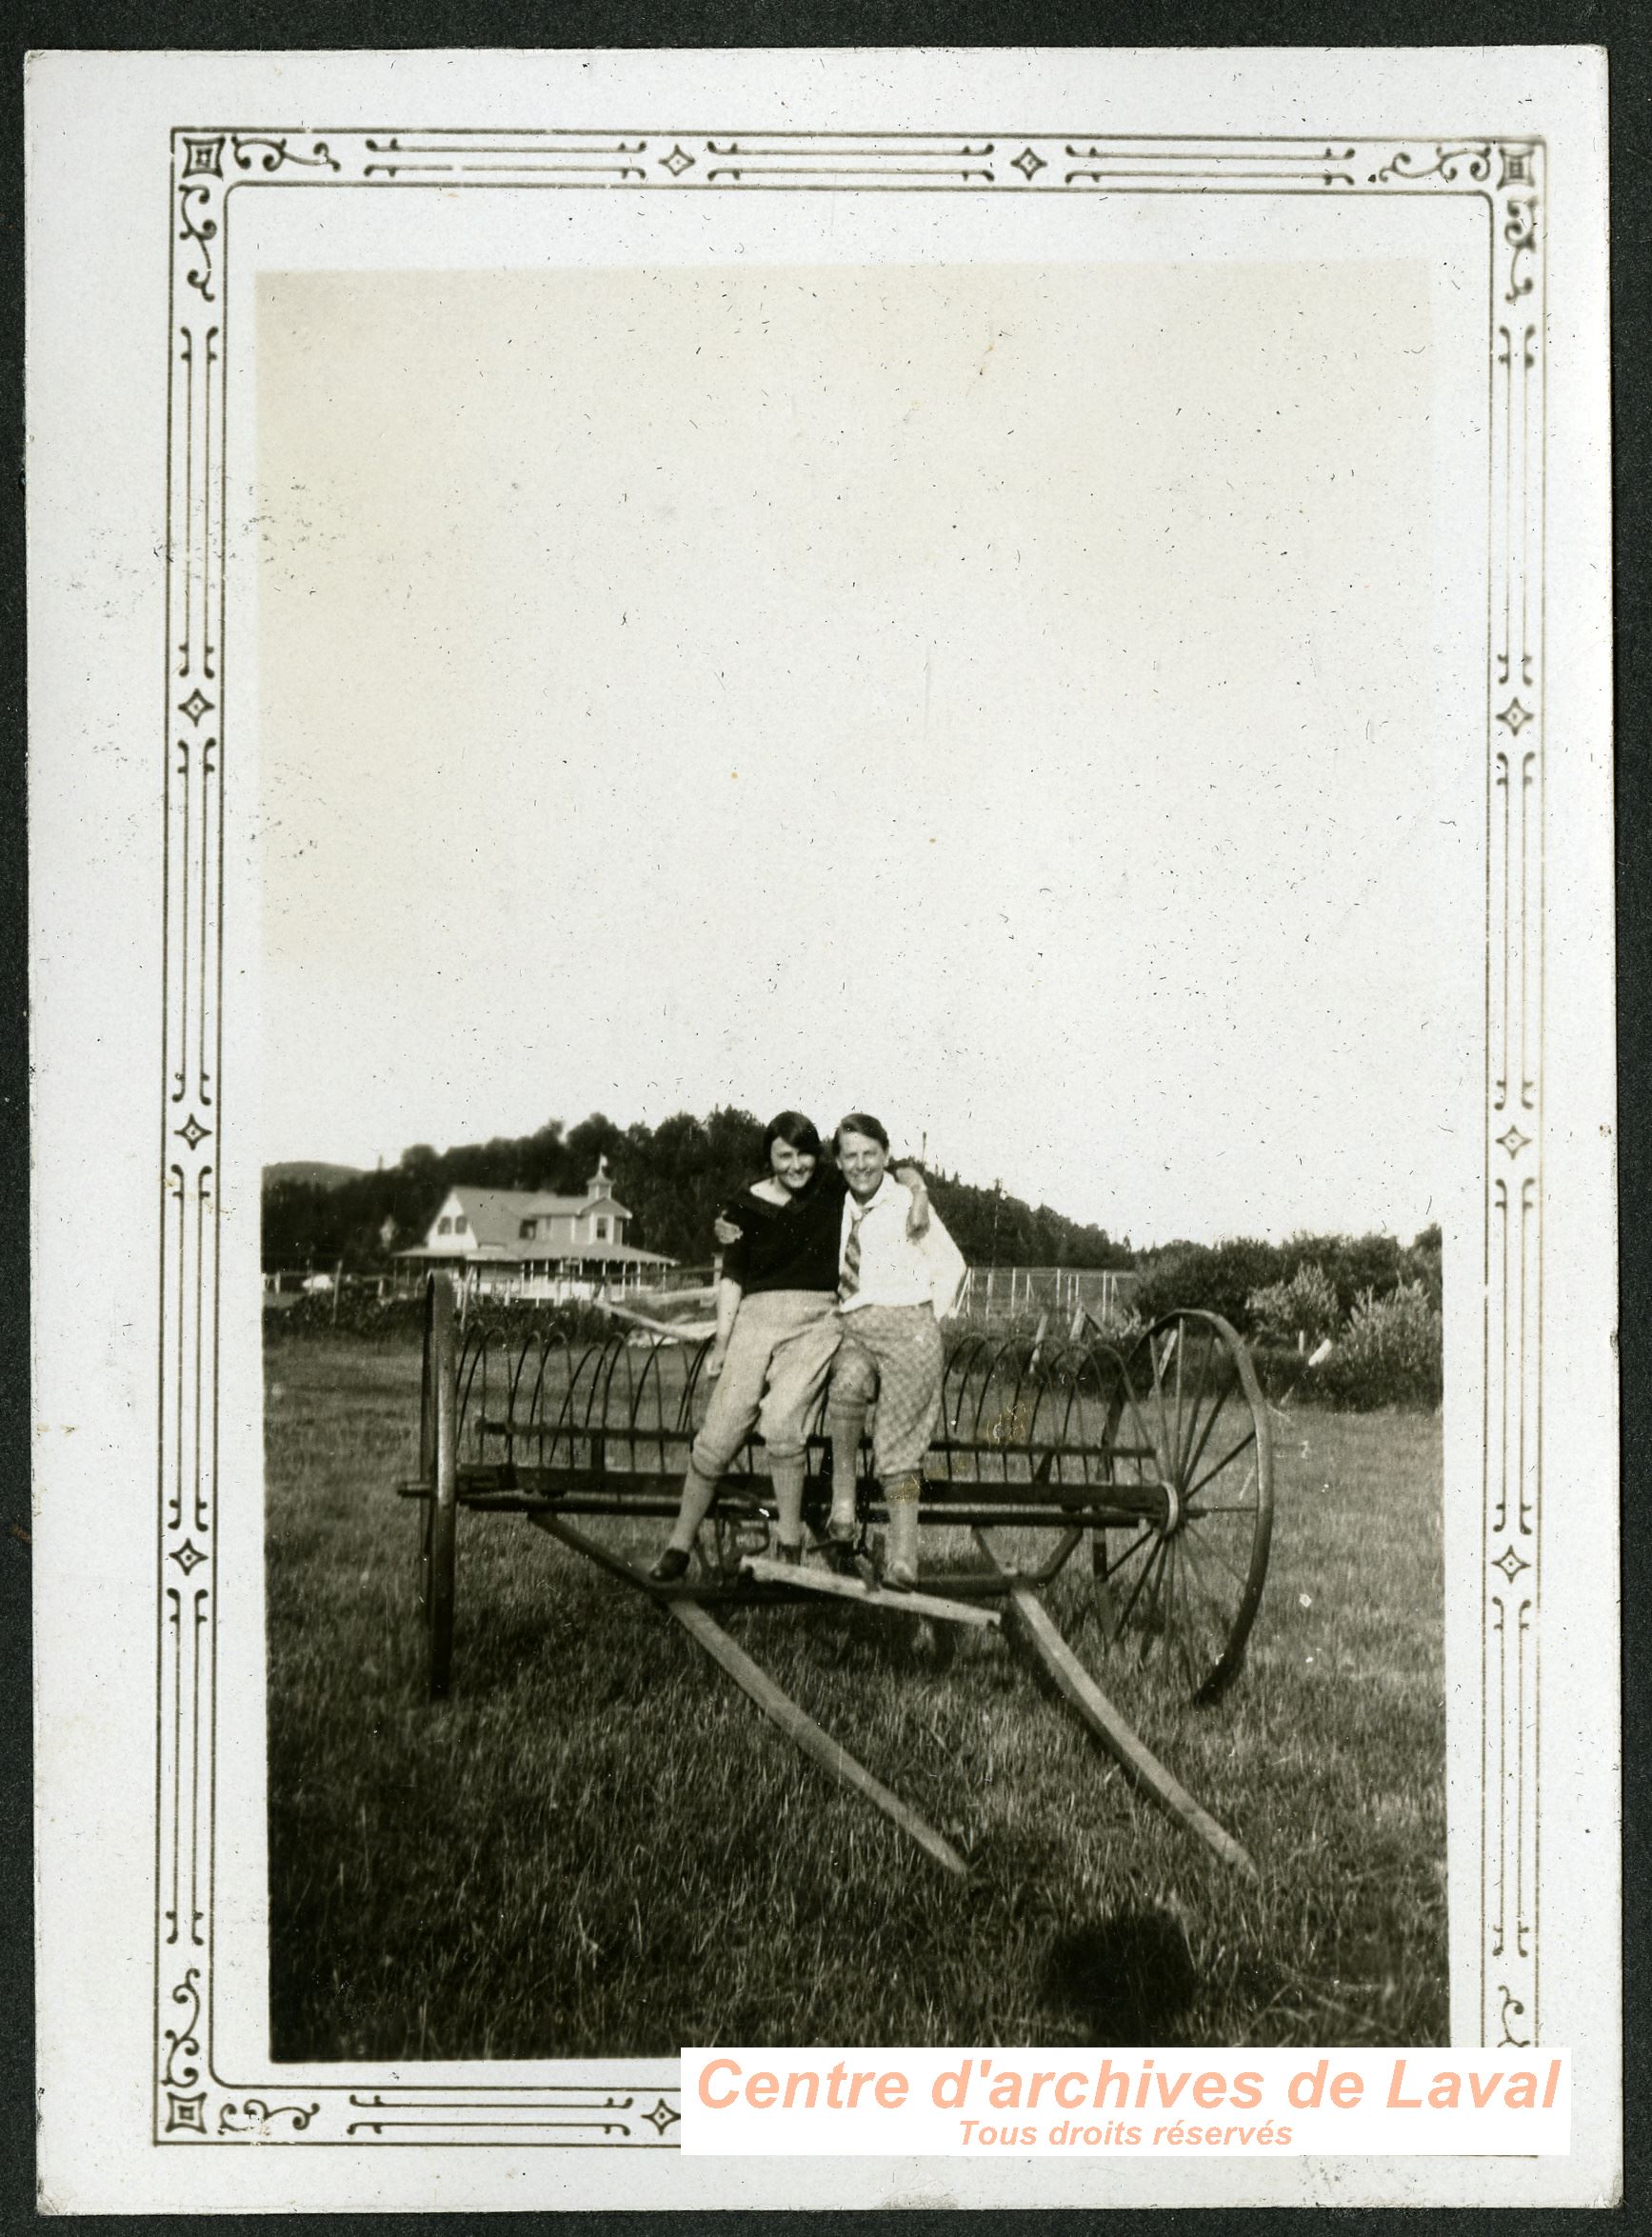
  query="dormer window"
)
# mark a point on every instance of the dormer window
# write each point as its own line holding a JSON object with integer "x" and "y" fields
{"x": 461, "y": 1226}
{"x": 443, "y": 1226}
{"x": 602, "y": 1230}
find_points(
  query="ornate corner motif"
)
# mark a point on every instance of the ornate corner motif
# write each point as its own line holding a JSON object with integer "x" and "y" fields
{"x": 257, "y": 2116}
{"x": 1469, "y": 161}
{"x": 276, "y": 151}
{"x": 186, "y": 2113}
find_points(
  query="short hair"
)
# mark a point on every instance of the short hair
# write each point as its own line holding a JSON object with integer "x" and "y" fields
{"x": 860, "y": 1122}
{"x": 791, "y": 1127}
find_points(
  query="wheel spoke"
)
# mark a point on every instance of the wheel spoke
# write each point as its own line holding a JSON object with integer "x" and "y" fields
{"x": 1185, "y": 1630}
{"x": 1198, "y": 1554}
{"x": 1194, "y": 1489}
{"x": 1163, "y": 1446}
{"x": 1110, "y": 1569}
{"x": 1136, "y": 1590}
{"x": 1244, "y": 1504}
{"x": 1217, "y": 1555}
{"x": 1152, "y": 1622}
{"x": 1143, "y": 1437}
{"x": 1210, "y": 1420}
{"x": 1185, "y": 1460}
{"x": 1216, "y": 1620}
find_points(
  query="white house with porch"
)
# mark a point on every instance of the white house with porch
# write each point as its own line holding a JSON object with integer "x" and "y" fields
{"x": 526, "y": 1244}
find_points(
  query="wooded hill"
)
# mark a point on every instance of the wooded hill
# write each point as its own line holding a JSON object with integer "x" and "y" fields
{"x": 672, "y": 1178}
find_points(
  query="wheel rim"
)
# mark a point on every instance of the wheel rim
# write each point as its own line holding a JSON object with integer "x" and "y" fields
{"x": 1180, "y": 1590}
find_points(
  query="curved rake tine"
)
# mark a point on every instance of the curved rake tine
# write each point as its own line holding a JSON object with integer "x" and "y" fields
{"x": 691, "y": 1385}
{"x": 1040, "y": 1393}
{"x": 563, "y": 1427}
{"x": 629, "y": 1425}
{"x": 656, "y": 1432}
{"x": 981, "y": 1386}
{"x": 536, "y": 1399}
{"x": 515, "y": 1420}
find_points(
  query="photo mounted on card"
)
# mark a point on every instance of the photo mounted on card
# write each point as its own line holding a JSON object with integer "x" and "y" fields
{"x": 869, "y": 916}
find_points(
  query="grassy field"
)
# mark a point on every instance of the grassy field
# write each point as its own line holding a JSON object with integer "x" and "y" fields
{"x": 598, "y": 1845}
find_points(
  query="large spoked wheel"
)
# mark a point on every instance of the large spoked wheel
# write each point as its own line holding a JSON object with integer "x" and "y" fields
{"x": 439, "y": 1468}
{"x": 1193, "y": 1451}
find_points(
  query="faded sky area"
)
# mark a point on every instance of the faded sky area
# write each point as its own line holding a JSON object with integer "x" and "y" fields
{"x": 999, "y": 697}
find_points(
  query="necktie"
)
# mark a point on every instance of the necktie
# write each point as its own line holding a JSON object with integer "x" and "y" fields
{"x": 849, "y": 1280}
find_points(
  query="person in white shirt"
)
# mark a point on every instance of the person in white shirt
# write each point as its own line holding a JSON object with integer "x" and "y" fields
{"x": 894, "y": 1290}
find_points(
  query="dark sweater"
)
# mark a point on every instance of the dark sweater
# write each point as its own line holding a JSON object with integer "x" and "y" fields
{"x": 792, "y": 1245}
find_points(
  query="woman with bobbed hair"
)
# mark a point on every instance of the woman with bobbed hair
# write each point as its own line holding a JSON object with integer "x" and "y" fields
{"x": 777, "y": 1330}
{"x": 894, "y": 1290}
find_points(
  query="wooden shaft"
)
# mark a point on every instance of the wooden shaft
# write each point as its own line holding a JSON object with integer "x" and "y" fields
{"x": 851, "y": 1589}
{"x": 802, "y": 1729}
{"x": 1137, "y": 1761}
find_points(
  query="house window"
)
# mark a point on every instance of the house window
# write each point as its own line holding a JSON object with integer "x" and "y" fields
{"x": 461, "y": 1224}
{"x": 443, "y": 1226}
{"x": 526, "y": 1231}
{"x": 602, "y": 1230}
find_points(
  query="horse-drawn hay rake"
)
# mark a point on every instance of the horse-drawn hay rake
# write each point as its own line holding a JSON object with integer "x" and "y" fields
{"x": 1158, "y": 1458}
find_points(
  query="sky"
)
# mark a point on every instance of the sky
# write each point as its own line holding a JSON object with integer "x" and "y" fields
{"x": 997, "y": 697}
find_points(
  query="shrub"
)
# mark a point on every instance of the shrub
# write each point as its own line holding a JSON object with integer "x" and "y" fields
{"x": 1301, "y": 1312}
{"x": 1422, "y": 1265}
{"x": 1210, "y": 1278}
{"x": 1390, "y": 1354}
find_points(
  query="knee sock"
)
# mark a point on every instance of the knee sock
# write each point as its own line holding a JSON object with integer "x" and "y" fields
{"x": 901, "y": 1495}
{"x": 787, "y": 1474}
{"x": 845, "y": 1423}
{"x": 698, "y": 1494}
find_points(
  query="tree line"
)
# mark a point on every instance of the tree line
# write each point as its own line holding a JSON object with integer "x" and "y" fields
{"x": 672, "y": 1178}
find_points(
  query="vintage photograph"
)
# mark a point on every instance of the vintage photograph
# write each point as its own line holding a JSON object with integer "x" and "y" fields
{"x": 821, "y": 867}
{"x": 919, "y": 1518}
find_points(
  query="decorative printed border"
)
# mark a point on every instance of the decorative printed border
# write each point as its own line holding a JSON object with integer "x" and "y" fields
{"x": 192, "y": 2099}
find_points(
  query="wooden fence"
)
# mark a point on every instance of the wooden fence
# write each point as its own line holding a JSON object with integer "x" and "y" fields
{"x": 1008, "y": 1297}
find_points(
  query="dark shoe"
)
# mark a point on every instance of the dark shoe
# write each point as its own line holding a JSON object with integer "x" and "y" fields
{"x": 790, "y": 1555}
{"x": 671, "y": 1567}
